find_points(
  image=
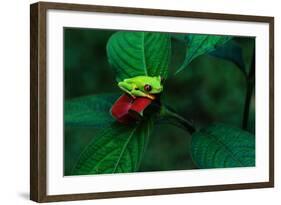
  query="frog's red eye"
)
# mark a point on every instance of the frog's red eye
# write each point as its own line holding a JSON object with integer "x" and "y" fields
{"x": 147, "y": 88}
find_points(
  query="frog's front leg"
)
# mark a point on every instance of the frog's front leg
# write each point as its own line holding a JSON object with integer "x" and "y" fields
{"x": 127, "y": 87}
{"x": 139, "y": 93}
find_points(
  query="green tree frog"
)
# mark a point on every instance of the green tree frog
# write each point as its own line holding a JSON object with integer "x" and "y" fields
{"x": 142, "y": 86}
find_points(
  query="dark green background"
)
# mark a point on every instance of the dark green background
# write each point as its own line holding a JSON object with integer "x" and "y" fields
{"x": 210, "y": 90}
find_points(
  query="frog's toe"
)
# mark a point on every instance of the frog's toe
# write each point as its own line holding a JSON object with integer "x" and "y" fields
{"x": 152, "y": 97}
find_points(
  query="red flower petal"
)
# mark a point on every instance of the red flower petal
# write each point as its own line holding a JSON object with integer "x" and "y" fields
{"x": 121, "y": 107}
{"x": 127, "y": 110}
{"x": 139, "y": 106}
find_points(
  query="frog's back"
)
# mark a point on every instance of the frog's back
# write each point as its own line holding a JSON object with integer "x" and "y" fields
{"x": 141, "y": 78}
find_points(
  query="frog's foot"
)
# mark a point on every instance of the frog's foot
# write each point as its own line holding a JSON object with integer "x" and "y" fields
{"x": 131, "y": 96}
{"x": 150, "y": 96}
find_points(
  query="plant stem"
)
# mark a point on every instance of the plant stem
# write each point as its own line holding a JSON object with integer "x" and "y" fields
{"x": 249, "y": 90}
{"x": 166, "y": 112}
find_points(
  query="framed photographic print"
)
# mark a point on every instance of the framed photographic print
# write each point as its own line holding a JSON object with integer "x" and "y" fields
{"x": 134, "y": 102}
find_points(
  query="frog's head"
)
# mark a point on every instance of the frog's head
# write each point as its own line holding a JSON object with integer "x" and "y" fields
{"x": 153, "y": 85}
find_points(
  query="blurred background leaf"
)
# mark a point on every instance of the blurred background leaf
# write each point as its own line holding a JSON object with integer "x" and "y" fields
{"x": 183, "y": 37}
{"x": 220, "y": 145}
{"x": 248, "y": 47}
{"x": 211, "y": 90}
{"x": 139, "y": 53}
{"x": 86, "y": 69}
{"x": 233, "y": 52}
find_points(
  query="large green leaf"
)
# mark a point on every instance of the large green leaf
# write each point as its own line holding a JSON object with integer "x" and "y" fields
{"x": 231, "y": 51}
{"x": 139, "y": 53}
{"x": 219, "y": 146}
{"x": 89, "y": 111}
{"x": 116, "y": 149}
{"x": 199, "y": 44}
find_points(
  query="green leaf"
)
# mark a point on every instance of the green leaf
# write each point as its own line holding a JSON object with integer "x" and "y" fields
{"x": 116, "y": 149}
{"x": 89, "y": 111}
{"x": 180, "y": 37}
{"x": 139, "y": 53}
{"x": 220, "y": 145}
{"x": 231, "y": 51}
{"x": 199, "y": 44}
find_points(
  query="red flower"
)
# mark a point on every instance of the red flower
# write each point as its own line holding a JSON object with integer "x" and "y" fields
{"x": 127, "y": 109}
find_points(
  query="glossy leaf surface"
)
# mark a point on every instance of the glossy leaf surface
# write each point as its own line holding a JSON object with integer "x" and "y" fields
{"x": 116, "y": 149}
{"x": 139, "y": 53}
{"x": 220, "y": 145}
